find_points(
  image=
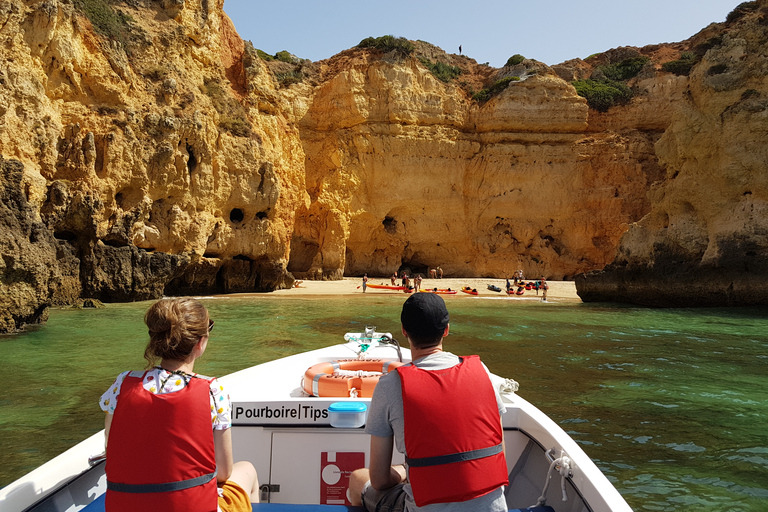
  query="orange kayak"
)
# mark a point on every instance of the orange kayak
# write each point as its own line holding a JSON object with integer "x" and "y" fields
{"x": 439, "y": 291}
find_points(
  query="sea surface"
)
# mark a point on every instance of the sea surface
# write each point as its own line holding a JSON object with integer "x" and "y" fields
{"x": 672, "y": 404}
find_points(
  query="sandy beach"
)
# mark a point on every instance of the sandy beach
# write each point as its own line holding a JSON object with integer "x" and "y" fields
{"x": 559, "y": 291}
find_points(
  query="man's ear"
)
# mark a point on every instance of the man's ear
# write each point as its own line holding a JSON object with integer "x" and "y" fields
{"x": 447, "y": 329}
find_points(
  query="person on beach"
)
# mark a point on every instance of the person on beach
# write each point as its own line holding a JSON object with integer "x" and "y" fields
{"x": 509, "y": 285}
{"x": 365, "y": 282}
{"x": 544, "y": 287}
{"x": 167, "y": 429}
{"x": 408, "y": 411}
{"x": 417, "y": 282}
{"x": 394, "y": 279}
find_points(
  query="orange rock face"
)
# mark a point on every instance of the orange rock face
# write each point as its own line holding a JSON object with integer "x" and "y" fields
{"x": 705, "y": 240}
{"x": 165, "y": 156}
{"x": 404, "y": 171}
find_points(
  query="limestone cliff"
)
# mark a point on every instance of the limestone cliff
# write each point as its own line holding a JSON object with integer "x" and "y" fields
{"x": 147, "y": 150}
{"x": 705, "y": 239}
{"x": 144, "y": 150}
{"x": 407, "y": 172}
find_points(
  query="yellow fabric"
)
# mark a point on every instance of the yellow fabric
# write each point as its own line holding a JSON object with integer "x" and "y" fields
{"x": 234, "y": 498}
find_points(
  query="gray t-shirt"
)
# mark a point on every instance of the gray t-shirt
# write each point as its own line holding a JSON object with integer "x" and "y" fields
{"x": 385, "y": 419}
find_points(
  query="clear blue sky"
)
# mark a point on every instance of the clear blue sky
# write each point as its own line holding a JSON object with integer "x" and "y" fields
{"x": 551, "y": 31}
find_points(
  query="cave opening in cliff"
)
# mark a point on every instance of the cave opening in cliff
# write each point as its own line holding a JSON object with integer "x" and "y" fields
{"x": 65, "y": 236}
{"x": 192, "y": 161}
{"x": 114, "y": 242}
{"x": 390, "y": 225}
{"x": 261, "y": 215}
{"x": 414, "y": 265}
{"x": 303, "y": 253}
{"x": 236, "y": 215}
{"x": 242, "y": 257}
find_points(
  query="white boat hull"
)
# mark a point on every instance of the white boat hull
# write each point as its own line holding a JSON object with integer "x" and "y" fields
{"x": 289, "y": 439}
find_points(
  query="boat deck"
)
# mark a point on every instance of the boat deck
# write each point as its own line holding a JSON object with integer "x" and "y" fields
{"x": 288, "y": 437}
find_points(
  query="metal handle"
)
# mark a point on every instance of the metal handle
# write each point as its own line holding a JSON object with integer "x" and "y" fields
{"x": 94, "y": 460}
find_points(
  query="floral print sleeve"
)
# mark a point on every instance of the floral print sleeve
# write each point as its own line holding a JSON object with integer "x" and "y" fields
{"x": 221, "y": 407}
{"x": 109, "y": 398}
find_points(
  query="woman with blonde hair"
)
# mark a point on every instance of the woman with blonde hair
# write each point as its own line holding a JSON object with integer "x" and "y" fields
{"x": 167, "y": 429}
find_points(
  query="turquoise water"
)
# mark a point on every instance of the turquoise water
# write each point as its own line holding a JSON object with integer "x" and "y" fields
{"x": 671, "y": 404}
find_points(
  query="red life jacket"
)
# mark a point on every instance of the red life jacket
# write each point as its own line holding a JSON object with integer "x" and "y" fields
{"x": 160, "y": 454}
{"x": 453, "y": 433}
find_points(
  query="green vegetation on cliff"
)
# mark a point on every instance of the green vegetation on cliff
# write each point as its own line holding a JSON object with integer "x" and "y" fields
{"x": 489, "y": 92}
{"x": 441, "y": 71}
{"x": 624, "y": 70}
{"x": 232, "y": 116}
{"x": 399, "y": 45}
{"x": 514, "y": 60}
{"x": 740, "y": 10}
{"x": 681, "y": 66}
{"x": 111, "y": 23}
{"x": 603, "y": 94}
{"x": 606, "y": 88}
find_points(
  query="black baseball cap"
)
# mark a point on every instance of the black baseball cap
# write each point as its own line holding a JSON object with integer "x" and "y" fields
{"x": 424, "y": 314}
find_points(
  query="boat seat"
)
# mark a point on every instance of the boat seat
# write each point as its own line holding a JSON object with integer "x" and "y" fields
{"x": 280, "y": 507}
{"x": 285, "y": 507}
{"x": 98, "y": 506}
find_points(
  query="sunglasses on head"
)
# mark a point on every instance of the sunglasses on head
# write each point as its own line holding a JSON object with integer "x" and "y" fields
{"x": 210, "y": 325}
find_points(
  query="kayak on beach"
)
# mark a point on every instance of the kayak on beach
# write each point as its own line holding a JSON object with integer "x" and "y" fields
{"x": 446, "y": 291}
{"x": 388, "y": 287}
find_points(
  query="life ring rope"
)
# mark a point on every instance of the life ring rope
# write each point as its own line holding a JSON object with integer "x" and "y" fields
{"x": 357, "y": 373}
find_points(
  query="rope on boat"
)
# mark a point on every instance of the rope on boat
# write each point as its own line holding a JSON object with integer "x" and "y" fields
{"x": 509, "y": 386}
{"x": 563, "y": 466}
{"x": 355, "y": 373}
{"x": 353, "y": 393}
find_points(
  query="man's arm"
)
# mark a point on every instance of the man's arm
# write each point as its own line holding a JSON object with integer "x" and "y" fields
{"x": 383, "y": 474}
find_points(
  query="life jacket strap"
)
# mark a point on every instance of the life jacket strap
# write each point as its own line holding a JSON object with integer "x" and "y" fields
{"x": 164, "y": 487}
{"x": 454, "y": 457}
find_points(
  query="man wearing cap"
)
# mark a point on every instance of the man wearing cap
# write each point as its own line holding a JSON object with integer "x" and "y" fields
{"x": 443, "y": 413}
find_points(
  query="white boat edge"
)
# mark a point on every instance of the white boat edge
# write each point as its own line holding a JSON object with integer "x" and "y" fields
{"x": 53, "y": 476}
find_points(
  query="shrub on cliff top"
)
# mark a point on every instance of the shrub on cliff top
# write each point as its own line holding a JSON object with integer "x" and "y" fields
{"x": 495, "y": 89}
{"x": 400, "y": 45}
{"x": 443, "y": 72}
{"x": 681, "y": 66}
{"x": 740, "y": 10}
{"x": 264, "y": 55}
{"x": 603, "y": 94}
{"x": 514, "y": 60}
{"x": 624, "y": 70}
{"x": 112, "y": 24}
{"x": 289, "y": 78}
{"x": 285, "y": 56}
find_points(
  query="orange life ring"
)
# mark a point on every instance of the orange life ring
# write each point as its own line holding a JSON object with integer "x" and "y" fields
{"x": 322, "y": 379}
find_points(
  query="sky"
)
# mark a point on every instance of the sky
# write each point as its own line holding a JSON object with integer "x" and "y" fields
{"x": 550, "y": 31}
